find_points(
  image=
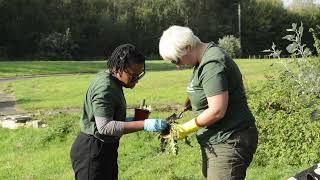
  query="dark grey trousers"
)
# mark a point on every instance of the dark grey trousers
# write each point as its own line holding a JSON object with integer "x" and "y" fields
{"x": 230, "y": 160}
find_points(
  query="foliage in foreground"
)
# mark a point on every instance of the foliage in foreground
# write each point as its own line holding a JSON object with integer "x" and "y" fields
{"x": 60, "y": 126}
{"x": 287, "y": 108}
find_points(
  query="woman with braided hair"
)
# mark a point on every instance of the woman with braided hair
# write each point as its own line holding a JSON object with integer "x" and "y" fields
{"x": 94, "y": 153}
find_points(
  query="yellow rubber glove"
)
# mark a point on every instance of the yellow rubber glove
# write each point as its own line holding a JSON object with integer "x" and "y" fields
{"x": 187, "y": 128}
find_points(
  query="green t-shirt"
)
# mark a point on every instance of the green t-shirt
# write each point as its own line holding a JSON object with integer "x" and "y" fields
{"x": 217, "y": 73}
{"x": 104, "y": 98}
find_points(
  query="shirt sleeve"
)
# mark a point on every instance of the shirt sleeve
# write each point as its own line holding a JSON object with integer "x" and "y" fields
{"x": 109, "y": 126}
{"x": 102, "y": 102}
{"x": 214, "y": 79}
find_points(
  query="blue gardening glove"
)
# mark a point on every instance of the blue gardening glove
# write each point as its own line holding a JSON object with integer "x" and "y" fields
{"x": 155, "y": 125}
{"x": 130, "y": 119}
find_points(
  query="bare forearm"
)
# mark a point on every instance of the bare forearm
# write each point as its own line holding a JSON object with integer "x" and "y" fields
{"x": 134, "y": 126}
{"x": 208, "y": 117}
{"x": 217, "y": 108}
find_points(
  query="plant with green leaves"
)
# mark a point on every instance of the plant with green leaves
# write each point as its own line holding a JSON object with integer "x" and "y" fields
{"x": 287, "y": 107}
{"x": 307, "y": 76}
{"x": 316, "y": 39}
{"x": 231, "y": 45}
{"x": 169, "y": 136}
{"x": 57, "y": 46}
{"x": 59, "y": 127}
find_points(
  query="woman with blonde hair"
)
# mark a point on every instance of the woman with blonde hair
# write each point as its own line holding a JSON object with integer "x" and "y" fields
{"x": 225, "y": 126}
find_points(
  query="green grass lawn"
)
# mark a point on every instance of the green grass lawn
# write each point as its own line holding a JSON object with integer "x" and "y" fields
{"x": 24, "y": 156}
{"x": 161, "y": 86}
{"x": 253, "y": 68}
{"x": 27, "y": 68}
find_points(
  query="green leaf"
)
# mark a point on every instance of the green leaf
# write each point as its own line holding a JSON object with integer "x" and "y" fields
{"x": 306, "y": 52}
{"x": 294, "y": 26}
{"x": 278, "y": 52}
{"x": 273, "y": 46}
{"x": 266, "y": 50}
{"x": 274, "y": 55}
{"x": 289, "y": 37}
{"x": 301, "y": 29}
{"x": 311, "y": 30}
{"x": 291, "y": 48}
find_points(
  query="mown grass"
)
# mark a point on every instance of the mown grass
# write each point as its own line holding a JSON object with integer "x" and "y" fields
{"x": 24, "y": 155}
{"x": 24, "y": 68}
{"x": 158, "y": 87}
{"x": 27, "y": 68}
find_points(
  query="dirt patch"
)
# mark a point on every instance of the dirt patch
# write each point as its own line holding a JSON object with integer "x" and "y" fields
{"x": 60, "y": 111}
{"x": 167, "y": 108}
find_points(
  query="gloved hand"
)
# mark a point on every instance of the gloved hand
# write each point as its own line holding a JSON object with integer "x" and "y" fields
{"x": 187, "y": 104}
{"x": 183, "y": 130}
{"x": 155, "y": 125}
{"x": 130, "y": 119}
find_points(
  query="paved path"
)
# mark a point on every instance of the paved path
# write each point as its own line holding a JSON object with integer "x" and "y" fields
{"x": 9, "y": 79}
{"x": 7, "y": 105}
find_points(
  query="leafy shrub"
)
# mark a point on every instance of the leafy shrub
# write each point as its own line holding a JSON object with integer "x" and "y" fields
{"x": 57, "y": 46}
{"x": 316, "y": 39}
{"x": 231, "y": 45}
{"x": 287, "y": 108}
{"x": 287, "y": 124}
{"x": 59, "y": 127}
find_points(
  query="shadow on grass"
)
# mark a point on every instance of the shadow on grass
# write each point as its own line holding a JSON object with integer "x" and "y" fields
{"x": 26, "y": 101}
{"x": 5, "y": 104}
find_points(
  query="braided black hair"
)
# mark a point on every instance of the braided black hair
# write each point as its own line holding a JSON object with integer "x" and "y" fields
{"x": 124, "y": 56}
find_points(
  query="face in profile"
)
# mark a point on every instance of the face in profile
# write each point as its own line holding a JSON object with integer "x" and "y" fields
{"x": 131, "y": 75}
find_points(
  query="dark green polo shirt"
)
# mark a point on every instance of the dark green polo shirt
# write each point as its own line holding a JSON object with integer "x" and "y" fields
{"x": 104, "y": 98}
{"x": 217, "y": 73}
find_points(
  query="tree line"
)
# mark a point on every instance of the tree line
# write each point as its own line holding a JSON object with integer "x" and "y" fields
{"x": 81, "y": 29}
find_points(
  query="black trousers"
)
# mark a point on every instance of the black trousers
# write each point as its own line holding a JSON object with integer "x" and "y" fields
{"x": 93, "y": 159}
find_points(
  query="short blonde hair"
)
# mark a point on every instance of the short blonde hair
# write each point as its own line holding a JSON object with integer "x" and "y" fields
{"x": 174, "y": 40}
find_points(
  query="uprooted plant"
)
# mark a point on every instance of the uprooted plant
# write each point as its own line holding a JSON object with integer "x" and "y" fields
{"x": 169, "y": 136}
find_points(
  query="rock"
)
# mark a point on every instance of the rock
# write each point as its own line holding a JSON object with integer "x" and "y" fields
{"x": 18, "y": 118}
{"x": 34, "y": 124}
{"x": 11, "y": 124}
{"x": 17, "y": 121}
